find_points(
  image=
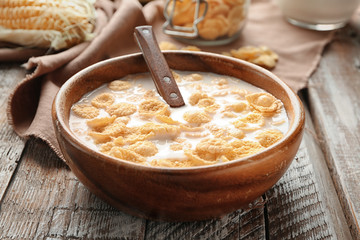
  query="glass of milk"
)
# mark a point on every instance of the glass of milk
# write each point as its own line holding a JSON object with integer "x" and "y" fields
{"x": 321, "y": 15}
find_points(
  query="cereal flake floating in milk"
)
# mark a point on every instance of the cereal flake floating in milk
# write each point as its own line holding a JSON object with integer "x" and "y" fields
{"x": 224, "y": 119}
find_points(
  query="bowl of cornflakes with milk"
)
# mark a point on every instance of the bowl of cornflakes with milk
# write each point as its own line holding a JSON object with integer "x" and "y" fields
{"x": 236, "y": 135}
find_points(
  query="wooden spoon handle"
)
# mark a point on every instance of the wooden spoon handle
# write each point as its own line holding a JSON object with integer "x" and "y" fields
{"x": 158, "y": 67}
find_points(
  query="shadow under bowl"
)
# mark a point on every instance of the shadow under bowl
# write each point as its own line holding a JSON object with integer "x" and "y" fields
{"x": 177, "y": 194}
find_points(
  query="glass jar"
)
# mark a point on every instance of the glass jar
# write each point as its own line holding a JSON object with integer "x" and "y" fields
{"x": 205, "y": 22}
{"x": 321, "y": 15}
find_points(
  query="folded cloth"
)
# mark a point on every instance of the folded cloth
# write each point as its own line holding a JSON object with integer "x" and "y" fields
{"x": 29, "y": 107}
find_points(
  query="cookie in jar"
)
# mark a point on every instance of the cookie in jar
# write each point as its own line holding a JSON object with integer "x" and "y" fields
{"x": 205, "y": 22}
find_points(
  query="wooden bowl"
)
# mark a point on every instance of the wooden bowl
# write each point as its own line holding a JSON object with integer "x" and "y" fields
{"x": 177, "y": 194}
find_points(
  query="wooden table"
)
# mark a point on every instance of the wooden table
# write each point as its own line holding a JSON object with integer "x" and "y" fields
{"x": 317, "y": 198}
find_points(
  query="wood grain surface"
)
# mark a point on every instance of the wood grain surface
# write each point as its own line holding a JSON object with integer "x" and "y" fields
{"x": 335, "y": 108}
{"x": 11, "y": 146}
{"x": 317, "y": 198}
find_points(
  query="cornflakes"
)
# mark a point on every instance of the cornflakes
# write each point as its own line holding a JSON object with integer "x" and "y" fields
{"x": 221, "y": 121}
{"x": 126, "y": 154}
{"x": 106, "y": 147}
{"x": 85, "y": 111}
{"x": 134, "y": 99}
{"x": 136, "y": 137}
{"x": 262, "y": 55}
{"x": 218, "y": 132}
{"x": 167, "y": 46}
{"x": 119, "y": 141}
{"x": 222, "y": 82}
{"x": 193, "y": 77}
{"x": 206, "y": 102}
{"x": 99, "y": 137}
{"x": 196, "y": 134}
{"x": 254, "y": 118}
{"x": 212, "y": 28}
{"x": 176, "y": 147}
{"x": 121, "y": 109}
{"x": 197, "y": 117}
{"x": 266, "y": 61}
{"x": 212, "y": 149}
{"x": 237, "y": 107}
{"x": 170, "y": 46}
{"x": 185, "y": 128}
{"x": 144, "y": 148}
{"x": 196, "y": 160}
{"x": 240, "y": 92}
{"x": 278, "y": 122}
{"x": 103, "y": 100}
{"x": 119, "y": 85}
{"x": 196, "y": 97}
{"x": 115, "y": 129}
{"x": 236, "y": 14}
{"x": 220, "y": 93}
{"x": 153, "y": 107}
{"x": 166, "y": 119}
{"x": 124, "y": 119}
{"x": 252, "y": 121}
{"x": 264, "y": 102}
{"x": 213, "y": 146}
{"x": 269, "y": 137}
{"x": 229, "y": 115}
{"x": 212, "y": 108}
{"x": 216, "y": 8}
{"x": 150, "y": 94}
{"x": 245, "y": 148}
{"x": 160, "y": 130}
{"x": 237, "y": 133}
{"x": 171, "y": 163}
{"x": 180, "y": 140}
{"x": 223, "y": 18}
{"x": 176, "y": 76}
{"x": 183, "y": 12}
{"x": 100, "y": 123}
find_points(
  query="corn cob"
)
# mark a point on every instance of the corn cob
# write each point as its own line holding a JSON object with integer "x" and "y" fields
{"x": 54, "y": 24}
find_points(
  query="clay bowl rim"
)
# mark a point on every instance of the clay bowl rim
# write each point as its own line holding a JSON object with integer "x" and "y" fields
{"x": 296, "y": 125}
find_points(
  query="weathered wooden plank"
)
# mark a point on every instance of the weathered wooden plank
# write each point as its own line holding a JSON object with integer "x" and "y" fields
{"x": 241, "y": 224}
{"x": 304, "y": 204}
{"x": 79, "y": 214}
{"x": 327, "y": 191}
{"x": 45, "y": 200}
{"x": 11, "y": 145}
{"x": 294, "y": 207}
{"x": 252, "y": 222}
{"x": 335, "y": 107}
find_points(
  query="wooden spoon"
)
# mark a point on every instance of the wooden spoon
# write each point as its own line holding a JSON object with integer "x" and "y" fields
{"x": 158, "y": 67}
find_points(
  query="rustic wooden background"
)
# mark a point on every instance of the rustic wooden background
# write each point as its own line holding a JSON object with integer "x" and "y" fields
{"x": 317, "y": 198}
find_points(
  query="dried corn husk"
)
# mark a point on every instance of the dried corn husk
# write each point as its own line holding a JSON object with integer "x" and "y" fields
{"x": 54, "y": 24}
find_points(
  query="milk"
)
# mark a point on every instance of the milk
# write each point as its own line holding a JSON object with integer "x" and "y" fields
{"x": 318, "y": 14}
{"x": 142, "y": 83}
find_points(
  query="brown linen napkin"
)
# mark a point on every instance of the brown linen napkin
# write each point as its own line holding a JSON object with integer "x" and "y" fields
{"x": 29, "y": 108}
